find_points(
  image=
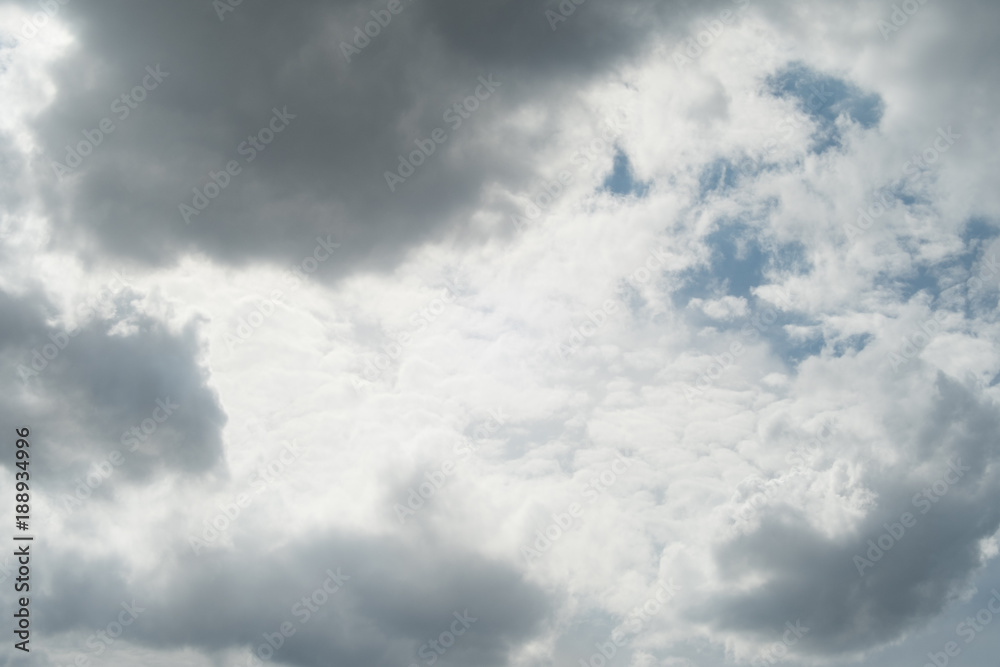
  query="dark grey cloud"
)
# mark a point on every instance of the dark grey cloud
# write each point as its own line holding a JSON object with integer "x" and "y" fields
{"x": 849, "y": 606}
{"x": 99, "y": 388}
{"x": 324, "y": 172}
{"x": 394, "y": 597}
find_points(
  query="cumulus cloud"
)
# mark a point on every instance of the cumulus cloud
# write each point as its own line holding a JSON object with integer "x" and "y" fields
{"x": 646, "y": 332}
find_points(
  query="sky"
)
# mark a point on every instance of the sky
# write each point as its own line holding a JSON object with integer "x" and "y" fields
{"x": 501, "y": 333}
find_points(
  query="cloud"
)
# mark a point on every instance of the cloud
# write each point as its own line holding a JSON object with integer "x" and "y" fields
{"x": 353, "y": 599}
{"x": 119, "y": 372}
{"x": 760, "y": 278}
{"x": 809, "y": 574}
{"x": 351, "y": 122}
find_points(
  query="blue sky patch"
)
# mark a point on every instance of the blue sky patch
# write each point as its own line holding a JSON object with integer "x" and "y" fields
{"x": 738, "y": 263}
{"x": 621, "y": 180}
{"x": 825, "y": 98}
